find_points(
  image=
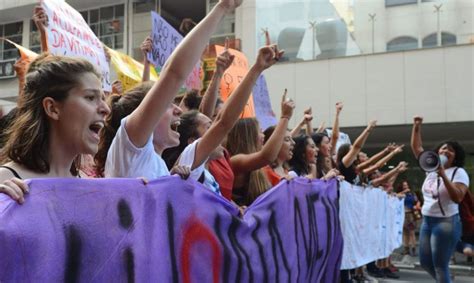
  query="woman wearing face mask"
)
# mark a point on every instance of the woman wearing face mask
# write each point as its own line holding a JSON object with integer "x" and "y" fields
{"x": 58, "y": 118}
{"x": 442, "y": 191}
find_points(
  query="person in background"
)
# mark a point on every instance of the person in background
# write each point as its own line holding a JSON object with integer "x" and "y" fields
{"x": 200, "y": 137}
{"x": 280, "y": 169}
{"x": 409, "y": 226}
{"x": 249, "y": 155}
{"x": 137, "y": 145}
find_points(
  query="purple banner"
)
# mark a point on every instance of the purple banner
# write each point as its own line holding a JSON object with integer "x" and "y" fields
{"x": 112, "y": 230}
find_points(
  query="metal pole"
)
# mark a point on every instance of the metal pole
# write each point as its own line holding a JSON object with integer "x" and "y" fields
{"x": 312, "y": 26}
{"x": 372, "y": 19}
{"x": 438, "y": 26}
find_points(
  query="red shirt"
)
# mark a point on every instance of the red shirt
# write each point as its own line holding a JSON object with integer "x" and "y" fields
{"x": 222, "y": 172}
{"x": 272, "y": 176}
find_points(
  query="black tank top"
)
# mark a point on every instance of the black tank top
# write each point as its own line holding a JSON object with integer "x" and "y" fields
{"x": 12, "y": 170}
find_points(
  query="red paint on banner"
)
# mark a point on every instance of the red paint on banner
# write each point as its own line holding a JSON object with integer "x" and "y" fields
{"x": 194, "y": 233}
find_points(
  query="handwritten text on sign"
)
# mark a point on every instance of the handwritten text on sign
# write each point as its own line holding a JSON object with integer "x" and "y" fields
{"x": 165, "y": 39}
{"x": 69, "y": 35}
{"x": 169, "y": 231}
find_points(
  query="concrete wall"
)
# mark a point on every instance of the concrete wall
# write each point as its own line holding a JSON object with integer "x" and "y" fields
{"x": 392, "y": 87}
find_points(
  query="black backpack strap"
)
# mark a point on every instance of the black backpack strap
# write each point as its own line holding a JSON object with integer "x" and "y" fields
{"x": 439, "y": 200}
{"x": 454, "y": 173}
{"x": 11, "y": 170}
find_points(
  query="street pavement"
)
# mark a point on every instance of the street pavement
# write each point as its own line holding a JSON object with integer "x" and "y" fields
{"x": 420, "y": 276}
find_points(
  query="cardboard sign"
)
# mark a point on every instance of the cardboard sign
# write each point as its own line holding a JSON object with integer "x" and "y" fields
{"x": 128, "y": 70}
{"x": 170, "y": 230}
{"x": 165, "y": 39}
{"x": 233, "y": 76}
{"x": 69, "y": 35}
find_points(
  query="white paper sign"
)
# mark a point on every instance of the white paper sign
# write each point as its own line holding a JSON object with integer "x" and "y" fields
{"x": 69, "y": 35}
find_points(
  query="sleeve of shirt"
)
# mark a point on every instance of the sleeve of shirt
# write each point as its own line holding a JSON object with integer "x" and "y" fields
{"x": 187, "y": 159}
{"x": 461, "y": 177}
{"x": 123, "y": 154}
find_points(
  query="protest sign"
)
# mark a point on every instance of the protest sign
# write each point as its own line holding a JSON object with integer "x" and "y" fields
{"x": 69, "y": 35}
{"x": 262, "y": 104}
{"x": 128, "y": 70}
{"x": 170, "y": 230}
{"x": 343, "y": 138}
{"x": 371, "y": 223}
{"x": 165, "y": 39}
{"x": 233, "y": 76}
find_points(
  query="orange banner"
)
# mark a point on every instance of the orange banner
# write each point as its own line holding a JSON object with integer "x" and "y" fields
{"x": 233, "y": 76}
{"x": 21, "y": 65}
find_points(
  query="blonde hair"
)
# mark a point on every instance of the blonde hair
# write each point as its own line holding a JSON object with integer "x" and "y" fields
{"x": 243, "y": 139}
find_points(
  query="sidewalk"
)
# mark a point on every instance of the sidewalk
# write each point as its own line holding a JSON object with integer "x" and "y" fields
{"x": 459, "y": 266}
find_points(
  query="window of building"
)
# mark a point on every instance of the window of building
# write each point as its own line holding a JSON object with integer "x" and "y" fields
{"x": 108, "y": 24}
{"x": 35, "y": 38}
{"x": 145, "y": 6}
{"x": 446, "y": 39}
{"x": 402, "y": 43}
{"x": 389, "y": 3}
{"x": 13, "y": 32}
{"x": 227, "y": 26}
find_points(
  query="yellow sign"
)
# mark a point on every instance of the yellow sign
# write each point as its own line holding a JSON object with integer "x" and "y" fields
{"x": 128, "y": 70}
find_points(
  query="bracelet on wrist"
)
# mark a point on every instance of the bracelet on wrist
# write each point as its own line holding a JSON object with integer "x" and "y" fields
{"x": 284, "y": 117}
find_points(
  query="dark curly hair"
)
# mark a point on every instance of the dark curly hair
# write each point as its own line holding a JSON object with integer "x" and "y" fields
{"x": 459, "y": 153}
{"x": 298, "y": 162}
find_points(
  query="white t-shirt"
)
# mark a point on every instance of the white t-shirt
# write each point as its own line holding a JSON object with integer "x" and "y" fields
{"x": 432, "y": 194}
{"x": 125, "y": 160}
{"x": 187, "y": 159}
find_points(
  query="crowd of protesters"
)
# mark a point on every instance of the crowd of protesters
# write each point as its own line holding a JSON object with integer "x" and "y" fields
{"x": 65, "y": 125}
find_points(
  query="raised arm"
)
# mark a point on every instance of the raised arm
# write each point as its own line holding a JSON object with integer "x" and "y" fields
{"x": 234, "y": 106}
{"x": 322, "y": 127}
{"x": 351, "y": 156}
{"x": 376, "y": 157}
{"x": 270, "y": 150}
{"x": 401, "y": 167}
{"x": 383, "y": 161}
{"x": 146, "y": 47}
{"x": 335, "y": 128}
{"x": 223, "y": 62}
{"x": 307, "y": 117}
{"x": 143, "y": 120}
{"x": 416, "y": 143}
{"x": 41, "y": 21}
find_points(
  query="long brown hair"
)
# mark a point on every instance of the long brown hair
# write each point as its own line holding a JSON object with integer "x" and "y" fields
{"x": 28, "y": 136}
{"x": 243, "y": 139}
{"x": 120, "y": 107}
